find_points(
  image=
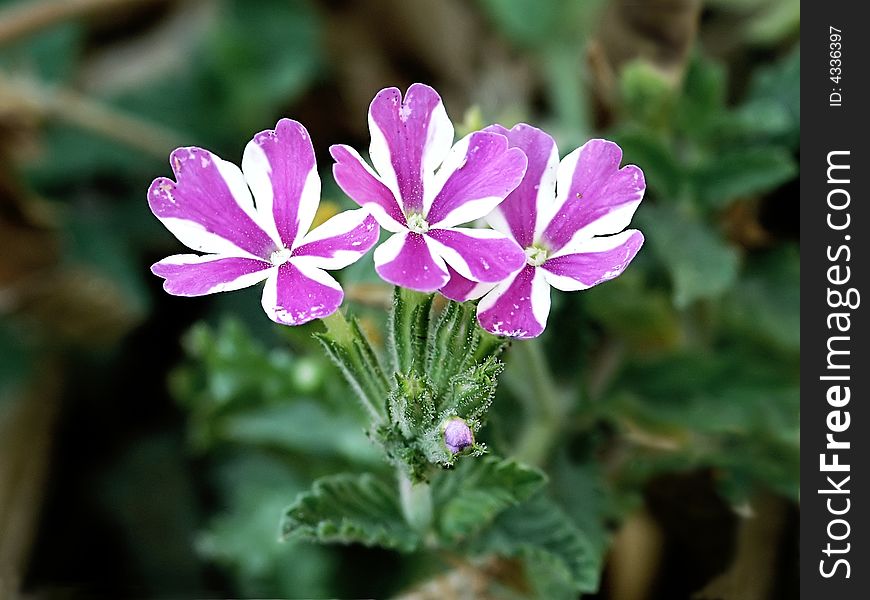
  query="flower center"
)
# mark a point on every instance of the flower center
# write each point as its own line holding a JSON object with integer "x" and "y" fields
{"x": 536, "y": 256}
{"x": 417, "y": 223}
{"x": 279, "y": 257}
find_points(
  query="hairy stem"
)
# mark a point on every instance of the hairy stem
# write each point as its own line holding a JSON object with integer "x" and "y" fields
{"x": 545, "y": 405}
{"x": 416, "y": 502}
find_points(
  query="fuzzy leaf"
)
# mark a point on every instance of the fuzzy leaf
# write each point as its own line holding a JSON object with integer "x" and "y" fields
{"x": 700, "y": 263}
{"x": 558, "y": 556}
{"x": 742, "y": 173}
{"x": 348, "y": 509}
{"x": 478, "y": 490}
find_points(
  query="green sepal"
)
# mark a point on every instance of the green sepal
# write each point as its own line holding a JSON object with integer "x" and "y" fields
{"x": 350, "y": 349}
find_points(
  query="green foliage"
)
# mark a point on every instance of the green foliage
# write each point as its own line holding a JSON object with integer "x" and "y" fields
{"x": 470, "y": 497}
{"x": 701, "y": 265}
{"x": 244, "y": 539}
{"x": 559, "y": 559}
{"x": 350, "y": 508}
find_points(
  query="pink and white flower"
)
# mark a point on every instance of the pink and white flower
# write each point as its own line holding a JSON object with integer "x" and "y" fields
{"x": 573, "y": 240}
{"x": 248, "y": 239}
{"x": 423, "y": 206}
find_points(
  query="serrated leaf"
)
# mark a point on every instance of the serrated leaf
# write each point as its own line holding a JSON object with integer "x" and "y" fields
{"x": 478, "y": 490}
{"x": 558, "y": 556}
{"x": 742, "y": 173}
{"x": 701, "y": 264}
{"x": 346, "y": 509}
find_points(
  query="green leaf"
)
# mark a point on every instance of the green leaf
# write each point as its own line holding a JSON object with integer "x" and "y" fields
{"x": 702, "y": 99}
{"x": 348, "y": 509}
{"x": 560, "y": 560}
{"x": 647, "y": 95}
{"x": 778, "y": 86}
{"x": 742, "y": 173}
{"x": 664, "y": 175}
{"x": 470, "y": 497}
{"x": 701, "y": 265}
{"x": 243, "y": 538}
{"x": 304, "y": 426}
{"x": 765, "y": 303}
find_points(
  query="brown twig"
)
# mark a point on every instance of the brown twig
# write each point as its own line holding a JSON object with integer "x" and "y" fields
{"x": 26, "y": 18}
{"x": 29, "y": 96}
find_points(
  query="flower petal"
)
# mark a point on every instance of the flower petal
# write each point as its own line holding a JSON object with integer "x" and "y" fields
{"x": 358, "y": 181}
{"x": 519, "y": 214}
{"x": 280, "y": 168}
{"x": 209, "y": 208}
{"x": 410, "y": 139}
{"x": 478, "y": 174}
{"x": 407, "y": 260}
{"x": 517, "y": 307}
{"x": 195, "y": 275}
{"x": 340, "y": 241}
{"x": 593, "y": 261}
{"x": 596, "y": 197}
{"x": 296, "y": 293}
{"x": 478, "y": 254}
{"x": 461, "y": 289}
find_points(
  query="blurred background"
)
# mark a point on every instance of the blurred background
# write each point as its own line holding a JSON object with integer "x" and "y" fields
{"x": 148, "y": 444}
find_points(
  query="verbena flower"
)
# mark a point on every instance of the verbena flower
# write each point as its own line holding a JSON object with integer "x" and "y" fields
{"x": 566, "y": 237}
{"x": 422, "y": 206}
{"x": 209, "y": 208}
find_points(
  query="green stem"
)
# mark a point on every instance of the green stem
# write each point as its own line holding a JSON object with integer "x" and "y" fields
{"x": 416, "y": 502}
{"x": 546, "y": 408}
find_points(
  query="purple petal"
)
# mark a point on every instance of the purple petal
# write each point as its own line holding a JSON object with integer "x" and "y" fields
{"x": 356, "y": 179}
{"x": 296, "y": 293}
{"x": 477, "y": 175}
{"x": 209, "y": 208}
{"x": 517, "y": 307}
{"x": 596, "y": 197}
{"x": 407, "y": 260}
{"x": 195, "y": 275}
{"x": 340, "y": 241}
{"x": 279, "y": 167}
{"x": 593, "y": 261}
{"x": 410, "y": 139}
{"x": 481, "y": 255}
{"x": 518, "y": 214}
{"x": 457, "y": 435}
{"x": 461, "y": 289}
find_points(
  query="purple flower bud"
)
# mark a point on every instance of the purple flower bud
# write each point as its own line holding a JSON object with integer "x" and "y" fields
{"x": 457, "y": 435}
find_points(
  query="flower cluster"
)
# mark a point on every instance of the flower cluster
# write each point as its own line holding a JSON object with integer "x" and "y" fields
{"x": 551, "y": 223}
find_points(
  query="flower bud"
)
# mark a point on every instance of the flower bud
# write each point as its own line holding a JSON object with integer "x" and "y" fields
{"x": 457, "y": 434}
